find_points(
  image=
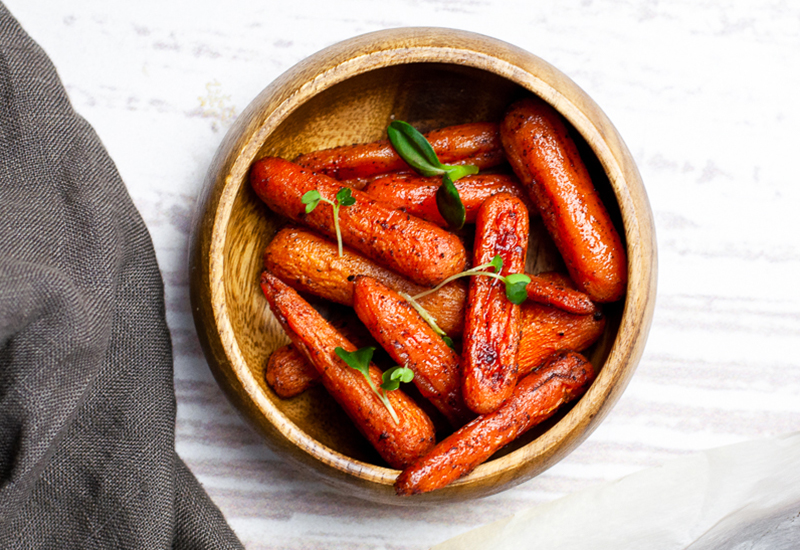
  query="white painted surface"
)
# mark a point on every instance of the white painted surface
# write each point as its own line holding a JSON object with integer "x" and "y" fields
{"x": 705, "y": 95}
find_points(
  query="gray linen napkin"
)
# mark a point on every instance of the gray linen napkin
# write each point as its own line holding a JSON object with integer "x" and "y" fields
{"x": 87, "y": 404}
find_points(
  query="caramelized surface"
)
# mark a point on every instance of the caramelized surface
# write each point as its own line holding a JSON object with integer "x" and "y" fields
{"x": 421, "y": 251}
{"x": 316, "y": 339}
{"x": 547, "y": 162}
{"x": 477, "y": 143}
{"x": 538, "y": 396}
{"x": 310, "y": 263}
{"x": 492, "y": 326}
{"x": 417, "y": 194}
{"x": 411, "y": 342}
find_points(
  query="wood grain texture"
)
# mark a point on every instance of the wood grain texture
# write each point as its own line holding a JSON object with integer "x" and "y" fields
{"x": 715, "y": 149}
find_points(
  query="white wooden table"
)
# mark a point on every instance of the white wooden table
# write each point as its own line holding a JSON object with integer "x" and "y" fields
{"x": 704, "y": 93}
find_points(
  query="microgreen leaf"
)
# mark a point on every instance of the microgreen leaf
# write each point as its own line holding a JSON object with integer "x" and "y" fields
{"x": 458, "y": 171}
{"x": 404, "y": 374}
{"x": 516, "y": 283}
{"x": 414, "y": 148}
{"x": 449, "y": 342}
{"x": 393, "y": 376}
{"x": 449, "y": 203}
{"x": 311, "y": 200}
{"x": 516, "y": 287}
{"x": 345, "y": 197}
{"x": 359, "y": 360}
{"x": 517, "y": 278}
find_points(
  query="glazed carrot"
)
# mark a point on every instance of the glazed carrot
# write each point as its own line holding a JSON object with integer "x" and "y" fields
{"x": 398, "y": 444}
{"x": 547, "y": 163}
{"x": 564, "y": 377}
{"x": 310, "y": 263}
{"x": 362, "y": 183}
{"x": 412, "y": 343}
{"x": 547, "y": 291}
{"x": 421, "y": 251}
{"x": 476, "y": 143}
{"x": 288, "y": 372}
{"x": 492, "y": 327}
{"x": 417, "y": 195}
{"x": 547, "y": 330}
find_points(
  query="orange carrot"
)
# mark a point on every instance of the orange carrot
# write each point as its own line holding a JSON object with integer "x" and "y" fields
{"x": 421, "y": 251}
{"x": 411, "y": 342}
{"x": 548, "y": 291}
{"x": 477, "y": 144}
{"x": 547, "y": 330}
{"x": 310, "y": 263}
{"x": 547, "y": 163}
{"x": 417, "y": 194}
{"x": 288, "y": 372}
{"x": 492, "y": 326}
{"x": 564, "y": 377}
{"x": 397, "y": 443}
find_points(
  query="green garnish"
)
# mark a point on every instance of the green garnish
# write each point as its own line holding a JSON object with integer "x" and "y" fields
{"x": 516, "y": 287}
{"x": 419, "y": 154}
{"x": 428, "y": 318}
{"x": 343, "y": 198}
{"x": 360, "y": 359}
{"x": 448, "y": 201}
{"x": 516, "y": 291}
{"x": 393, "y": 376}
{"x": 516, "y": 283}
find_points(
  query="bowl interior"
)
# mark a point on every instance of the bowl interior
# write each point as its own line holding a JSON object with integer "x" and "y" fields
{"x": 429, "y": 96}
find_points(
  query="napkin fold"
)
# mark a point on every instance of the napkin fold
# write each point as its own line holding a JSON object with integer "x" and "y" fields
{"x": 739, "y": 497}
{"x": 87, "y": 403}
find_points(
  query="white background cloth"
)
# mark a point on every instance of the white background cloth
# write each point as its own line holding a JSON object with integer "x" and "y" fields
{"x": 705, "y": 95}
{"x": 744, "y": 496}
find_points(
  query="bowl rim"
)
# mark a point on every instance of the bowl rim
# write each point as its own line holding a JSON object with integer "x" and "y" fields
{"x": 381, "y": 49}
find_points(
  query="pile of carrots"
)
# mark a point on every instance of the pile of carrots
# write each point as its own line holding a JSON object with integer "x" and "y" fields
{"x": 518, "y": 363}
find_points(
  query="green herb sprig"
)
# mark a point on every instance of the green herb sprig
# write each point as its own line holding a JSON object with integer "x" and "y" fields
{"x": 516, "y": 291}
{"x": 516, "y": 283}
{"x": 428, "y": 318}
{"x": 344, "y": 197}
{"x": 360, "y": 359}
{"x": 413, "y": 148}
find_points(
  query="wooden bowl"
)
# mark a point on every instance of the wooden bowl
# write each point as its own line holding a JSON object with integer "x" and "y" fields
{"x": 349, "y": 93}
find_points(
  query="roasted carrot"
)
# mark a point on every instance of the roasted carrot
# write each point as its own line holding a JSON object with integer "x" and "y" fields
{"x": 564, "y": 376}
{"x": 362, "y": 183}
{"x": 417, "y": 195}
{"x": 492, "y": 326}
{"x": 398, "y": 444}
{"x": 477, "y": 144}
{"x": 548, "y": 164}
{"x": 547, "y": 330}
{"x": 289, "y": 373}
{"x": 422, "y": 251}
{"x": 310, "y": 263}
{"x": 411, "y": 342}
{"x": 549, "y": 291}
